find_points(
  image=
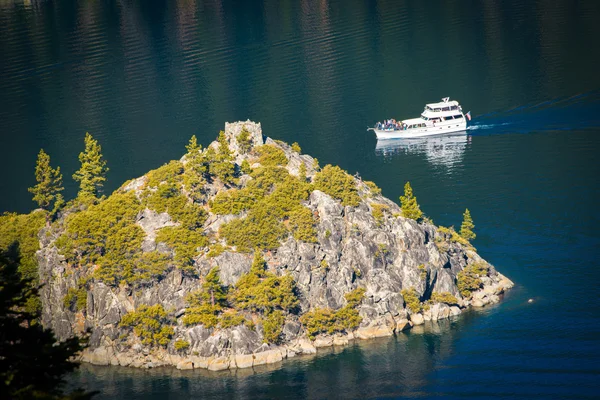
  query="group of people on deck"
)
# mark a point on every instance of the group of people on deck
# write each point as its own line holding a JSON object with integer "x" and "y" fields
{"x": 390, "y": 125}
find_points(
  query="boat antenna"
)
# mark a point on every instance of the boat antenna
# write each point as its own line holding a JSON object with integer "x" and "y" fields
{"x": 445, "y": 99}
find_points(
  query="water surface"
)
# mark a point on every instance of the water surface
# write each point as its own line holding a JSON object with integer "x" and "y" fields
{"x": 143, "y": 77}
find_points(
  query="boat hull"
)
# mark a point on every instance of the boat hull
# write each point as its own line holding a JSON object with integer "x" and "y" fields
{"x": 442, "y": 129}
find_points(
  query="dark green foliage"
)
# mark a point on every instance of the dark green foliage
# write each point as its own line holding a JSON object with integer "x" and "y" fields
{"x": 273, "y": 201}
{"x": 32, "y": 362}
{"x": 169, "y": 199}
{"x": 75, "y": 299}
{"x": 245, "y": 168}
{"x": 271, "y": 156}
{"x": 244, "y": 141}
{"x": 273, "y": 326}
{"x": 220, "y": 163}
{"x": 378, "y": 211}
{"x": 409, "y": 205}
{"x": 373, "y": 187}
{"x": 151, "y": 324}
{"x": 49, "y": 185}
{"x": 302, "y": 172}
{"x": 466, "y": 228}
{"x": 411, "y": 299}
{"x": 263, "y": 291}
{"x": 92, "y": 174}
{"x": 23, "y": 229}
{"x": 443, "y": 297}
{"x": 169, "y": 173}
{"x": 185, "y": 243}
{"x": 338, "y": 184}
{"x": 450, "y": 233}
{"x": 230, "y": 319}
{"x": 324, "y": 320}
{"x": 205, "y": 305}
{"x": 215, "y": 250}
{"x": 468, "y": 280}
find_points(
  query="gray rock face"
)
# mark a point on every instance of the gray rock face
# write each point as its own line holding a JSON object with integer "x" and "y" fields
{"x": 353, "y": 250}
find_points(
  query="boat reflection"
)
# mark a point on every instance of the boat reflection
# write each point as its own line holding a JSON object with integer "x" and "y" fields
{"x": 439, "y": 150}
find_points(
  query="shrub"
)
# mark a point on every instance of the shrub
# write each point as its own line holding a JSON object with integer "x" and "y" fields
{"x": 169, "y": 199}
{"x": 373, "y": 187}
{"x": 453, "y": 236}
{"x": 378, "y": 210}
{"x": 338, "y": 184}
{"x": 468, "y": 280}
{"x": 273, "y": 326}
{"x": 215, "y": 250}
{"x": 443, "y": 297}
{"x": 271, "y": 198}
{"x": 151, "y": 324}
{"x": 181, "y": 345}
{"x": 324, "y": 320}
{"x": 271, "y": 156}
{"x": 205, "y": 305}
{"x": 184, "y": 242}
{"x": 167, "y": 173}
{"x": 411, "y": 299}
{"x": 296, "y": 147}
{"x": 260, "y": 290}
{"x": 245, "y": 168}
{"x": 231, "y": 319}
{"x": 75, "y": 299}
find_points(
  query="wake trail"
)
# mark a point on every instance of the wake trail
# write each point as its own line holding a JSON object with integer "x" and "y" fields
{"x": 576, "y": 112}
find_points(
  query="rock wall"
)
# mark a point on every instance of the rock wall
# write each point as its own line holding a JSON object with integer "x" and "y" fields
{"x": 383, "y": 257}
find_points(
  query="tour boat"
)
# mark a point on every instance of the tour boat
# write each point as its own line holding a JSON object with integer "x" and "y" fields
{"x": 437, "y": 119}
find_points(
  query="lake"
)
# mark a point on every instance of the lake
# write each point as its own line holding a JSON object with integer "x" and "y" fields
{"x": 144, "y": 76}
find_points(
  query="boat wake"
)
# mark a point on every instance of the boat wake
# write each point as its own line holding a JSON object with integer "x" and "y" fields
{"x": 578, "y": 112}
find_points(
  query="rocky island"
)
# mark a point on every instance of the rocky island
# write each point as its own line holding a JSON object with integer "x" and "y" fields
{"x": 245, "y": 253}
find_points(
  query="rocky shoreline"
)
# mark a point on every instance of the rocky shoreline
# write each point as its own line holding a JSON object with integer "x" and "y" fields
{"x": 356, "y": 247}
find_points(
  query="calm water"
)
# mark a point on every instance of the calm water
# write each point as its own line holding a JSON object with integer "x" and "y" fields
{"x": 142, "y": 77}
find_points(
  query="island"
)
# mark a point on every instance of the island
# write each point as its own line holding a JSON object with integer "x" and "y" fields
{"x": 243, "y": 253}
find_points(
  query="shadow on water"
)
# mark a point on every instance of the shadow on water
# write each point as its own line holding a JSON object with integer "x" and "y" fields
{"x": 578, "y": 112}
{"x": 392, "y": 366}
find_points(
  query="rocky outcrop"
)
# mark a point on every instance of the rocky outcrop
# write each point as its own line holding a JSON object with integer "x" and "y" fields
{"x": 354, "y": 249}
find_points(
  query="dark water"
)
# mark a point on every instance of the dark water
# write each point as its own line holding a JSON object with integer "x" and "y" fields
{"x": 142, "y": 77}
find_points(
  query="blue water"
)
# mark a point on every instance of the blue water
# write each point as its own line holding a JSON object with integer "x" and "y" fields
{"x": 142, "y": 77}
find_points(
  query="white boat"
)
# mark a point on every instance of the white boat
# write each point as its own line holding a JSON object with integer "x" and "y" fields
{"x": 437, "y": 119}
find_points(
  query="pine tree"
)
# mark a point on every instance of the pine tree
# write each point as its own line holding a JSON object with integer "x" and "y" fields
{"x": 466, "y": 228}
{"x": 409, "y": 205}
{"x": 32, "y": 362}
{"x": 92, "y": 174}
{"x": 49, "y": 184}
{"x": 213, "y": 289}
{"x": 193, "y": 145}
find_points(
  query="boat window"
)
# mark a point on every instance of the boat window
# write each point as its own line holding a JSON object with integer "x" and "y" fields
{"x": 454, "y": 108}
{"x": 446, "y": 109}
{"x": 437, "y": 109}
{"x": 458, "y": 116}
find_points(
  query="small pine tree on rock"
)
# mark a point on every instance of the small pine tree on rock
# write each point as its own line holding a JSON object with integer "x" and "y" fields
{"x": 92, "y": 174}
{"x": 49, "y": 184}
{"x": 213, "y": 289}
{"x": 409, "y": 205}
{"x": 466, "y": 228}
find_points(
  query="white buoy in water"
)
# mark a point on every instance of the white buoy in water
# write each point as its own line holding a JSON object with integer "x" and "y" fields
{"x": 530, "y": 301}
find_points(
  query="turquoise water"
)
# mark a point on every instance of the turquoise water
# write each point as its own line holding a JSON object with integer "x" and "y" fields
{"x": 142, "y": 77}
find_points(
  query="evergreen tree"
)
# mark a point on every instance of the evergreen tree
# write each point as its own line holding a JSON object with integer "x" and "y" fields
{"x": 409, "y": 205}
{"x": 32, "y": 362}
{"x": 193, "y": 145}
{"x": 49, "y": 184}
{"x": 213, "y": 289}
{"x": 466, "y": 228}
{"x": 92, "y": 174}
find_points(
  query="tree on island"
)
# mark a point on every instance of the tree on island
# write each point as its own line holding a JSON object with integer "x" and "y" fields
{"x": 409, "y": 205}
{"x": 32, "y": 362}
{"x": 466, "y": 228}
{"x": 213, "y": 289}
{"x": 92, "y": 174}
{"x": 49, "y": 185}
